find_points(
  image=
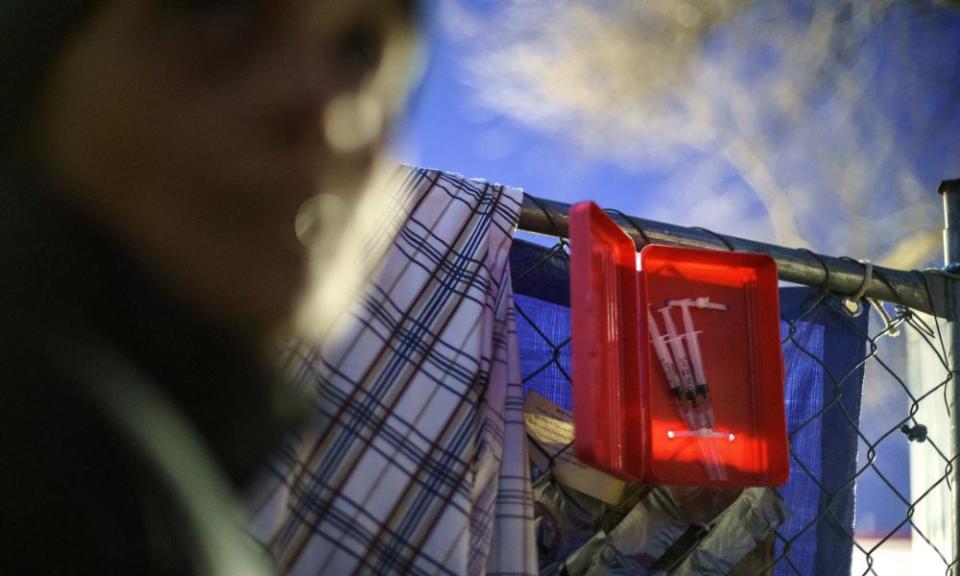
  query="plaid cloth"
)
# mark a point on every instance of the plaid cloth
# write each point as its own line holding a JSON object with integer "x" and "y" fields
{"x": 416, "y": 459}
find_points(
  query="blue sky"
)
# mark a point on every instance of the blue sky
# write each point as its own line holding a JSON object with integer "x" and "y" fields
{"x": 913, "y": 90}
{"x": 447, "y": 129}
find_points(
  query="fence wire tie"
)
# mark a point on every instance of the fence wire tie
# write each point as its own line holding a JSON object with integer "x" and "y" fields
{"x": 853, "y": 303}
{"x": 890, "y": 324}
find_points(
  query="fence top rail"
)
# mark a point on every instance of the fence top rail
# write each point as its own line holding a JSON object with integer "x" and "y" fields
{"x": 843, "y": 276}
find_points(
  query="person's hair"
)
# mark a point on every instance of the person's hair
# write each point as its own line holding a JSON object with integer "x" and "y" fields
{"x": 31, "y": 34}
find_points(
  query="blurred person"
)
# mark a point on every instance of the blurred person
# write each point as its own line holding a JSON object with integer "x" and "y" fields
{"x": 154, "y": 157}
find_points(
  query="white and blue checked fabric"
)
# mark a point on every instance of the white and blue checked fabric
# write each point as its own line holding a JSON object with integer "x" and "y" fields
{"x": 415, "y": 462}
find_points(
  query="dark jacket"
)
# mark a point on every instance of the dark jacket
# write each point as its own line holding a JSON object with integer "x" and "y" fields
{"x": 89, "y": 341}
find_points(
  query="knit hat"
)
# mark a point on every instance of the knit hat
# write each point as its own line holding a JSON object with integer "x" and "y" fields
{"x": 31, "y": 34}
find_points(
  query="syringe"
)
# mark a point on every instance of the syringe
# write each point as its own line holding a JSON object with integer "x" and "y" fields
{"x": 701, "y": 388}
{"x": 693, "y": 343}
{"x": 682, "y": 401}
{"x": 684, "y": 389}
{"x": 669, "y": 369}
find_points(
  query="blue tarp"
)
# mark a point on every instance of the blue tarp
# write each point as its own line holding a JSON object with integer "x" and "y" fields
{"x": 823, "y": 349}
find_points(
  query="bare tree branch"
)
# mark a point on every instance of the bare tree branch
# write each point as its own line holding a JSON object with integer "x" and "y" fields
{"x": 788, "y": 96}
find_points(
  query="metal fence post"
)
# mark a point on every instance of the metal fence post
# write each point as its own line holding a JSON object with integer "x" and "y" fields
{"x": 950, "y": 191}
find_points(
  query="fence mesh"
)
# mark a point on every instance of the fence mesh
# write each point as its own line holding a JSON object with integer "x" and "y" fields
{"x": 902, "y": 462}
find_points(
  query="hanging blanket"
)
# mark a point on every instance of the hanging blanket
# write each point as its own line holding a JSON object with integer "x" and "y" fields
{"x": 416, "y": 459}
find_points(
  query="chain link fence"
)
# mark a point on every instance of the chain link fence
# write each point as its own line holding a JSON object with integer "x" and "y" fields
{"x": 897, "y": 457}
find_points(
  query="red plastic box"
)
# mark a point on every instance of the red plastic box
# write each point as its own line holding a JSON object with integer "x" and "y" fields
{"x": 625, "y": 417}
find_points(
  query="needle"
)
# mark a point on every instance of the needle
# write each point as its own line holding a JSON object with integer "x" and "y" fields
{"x": 684, "y": 387}
{"x": 698, "y": 380}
